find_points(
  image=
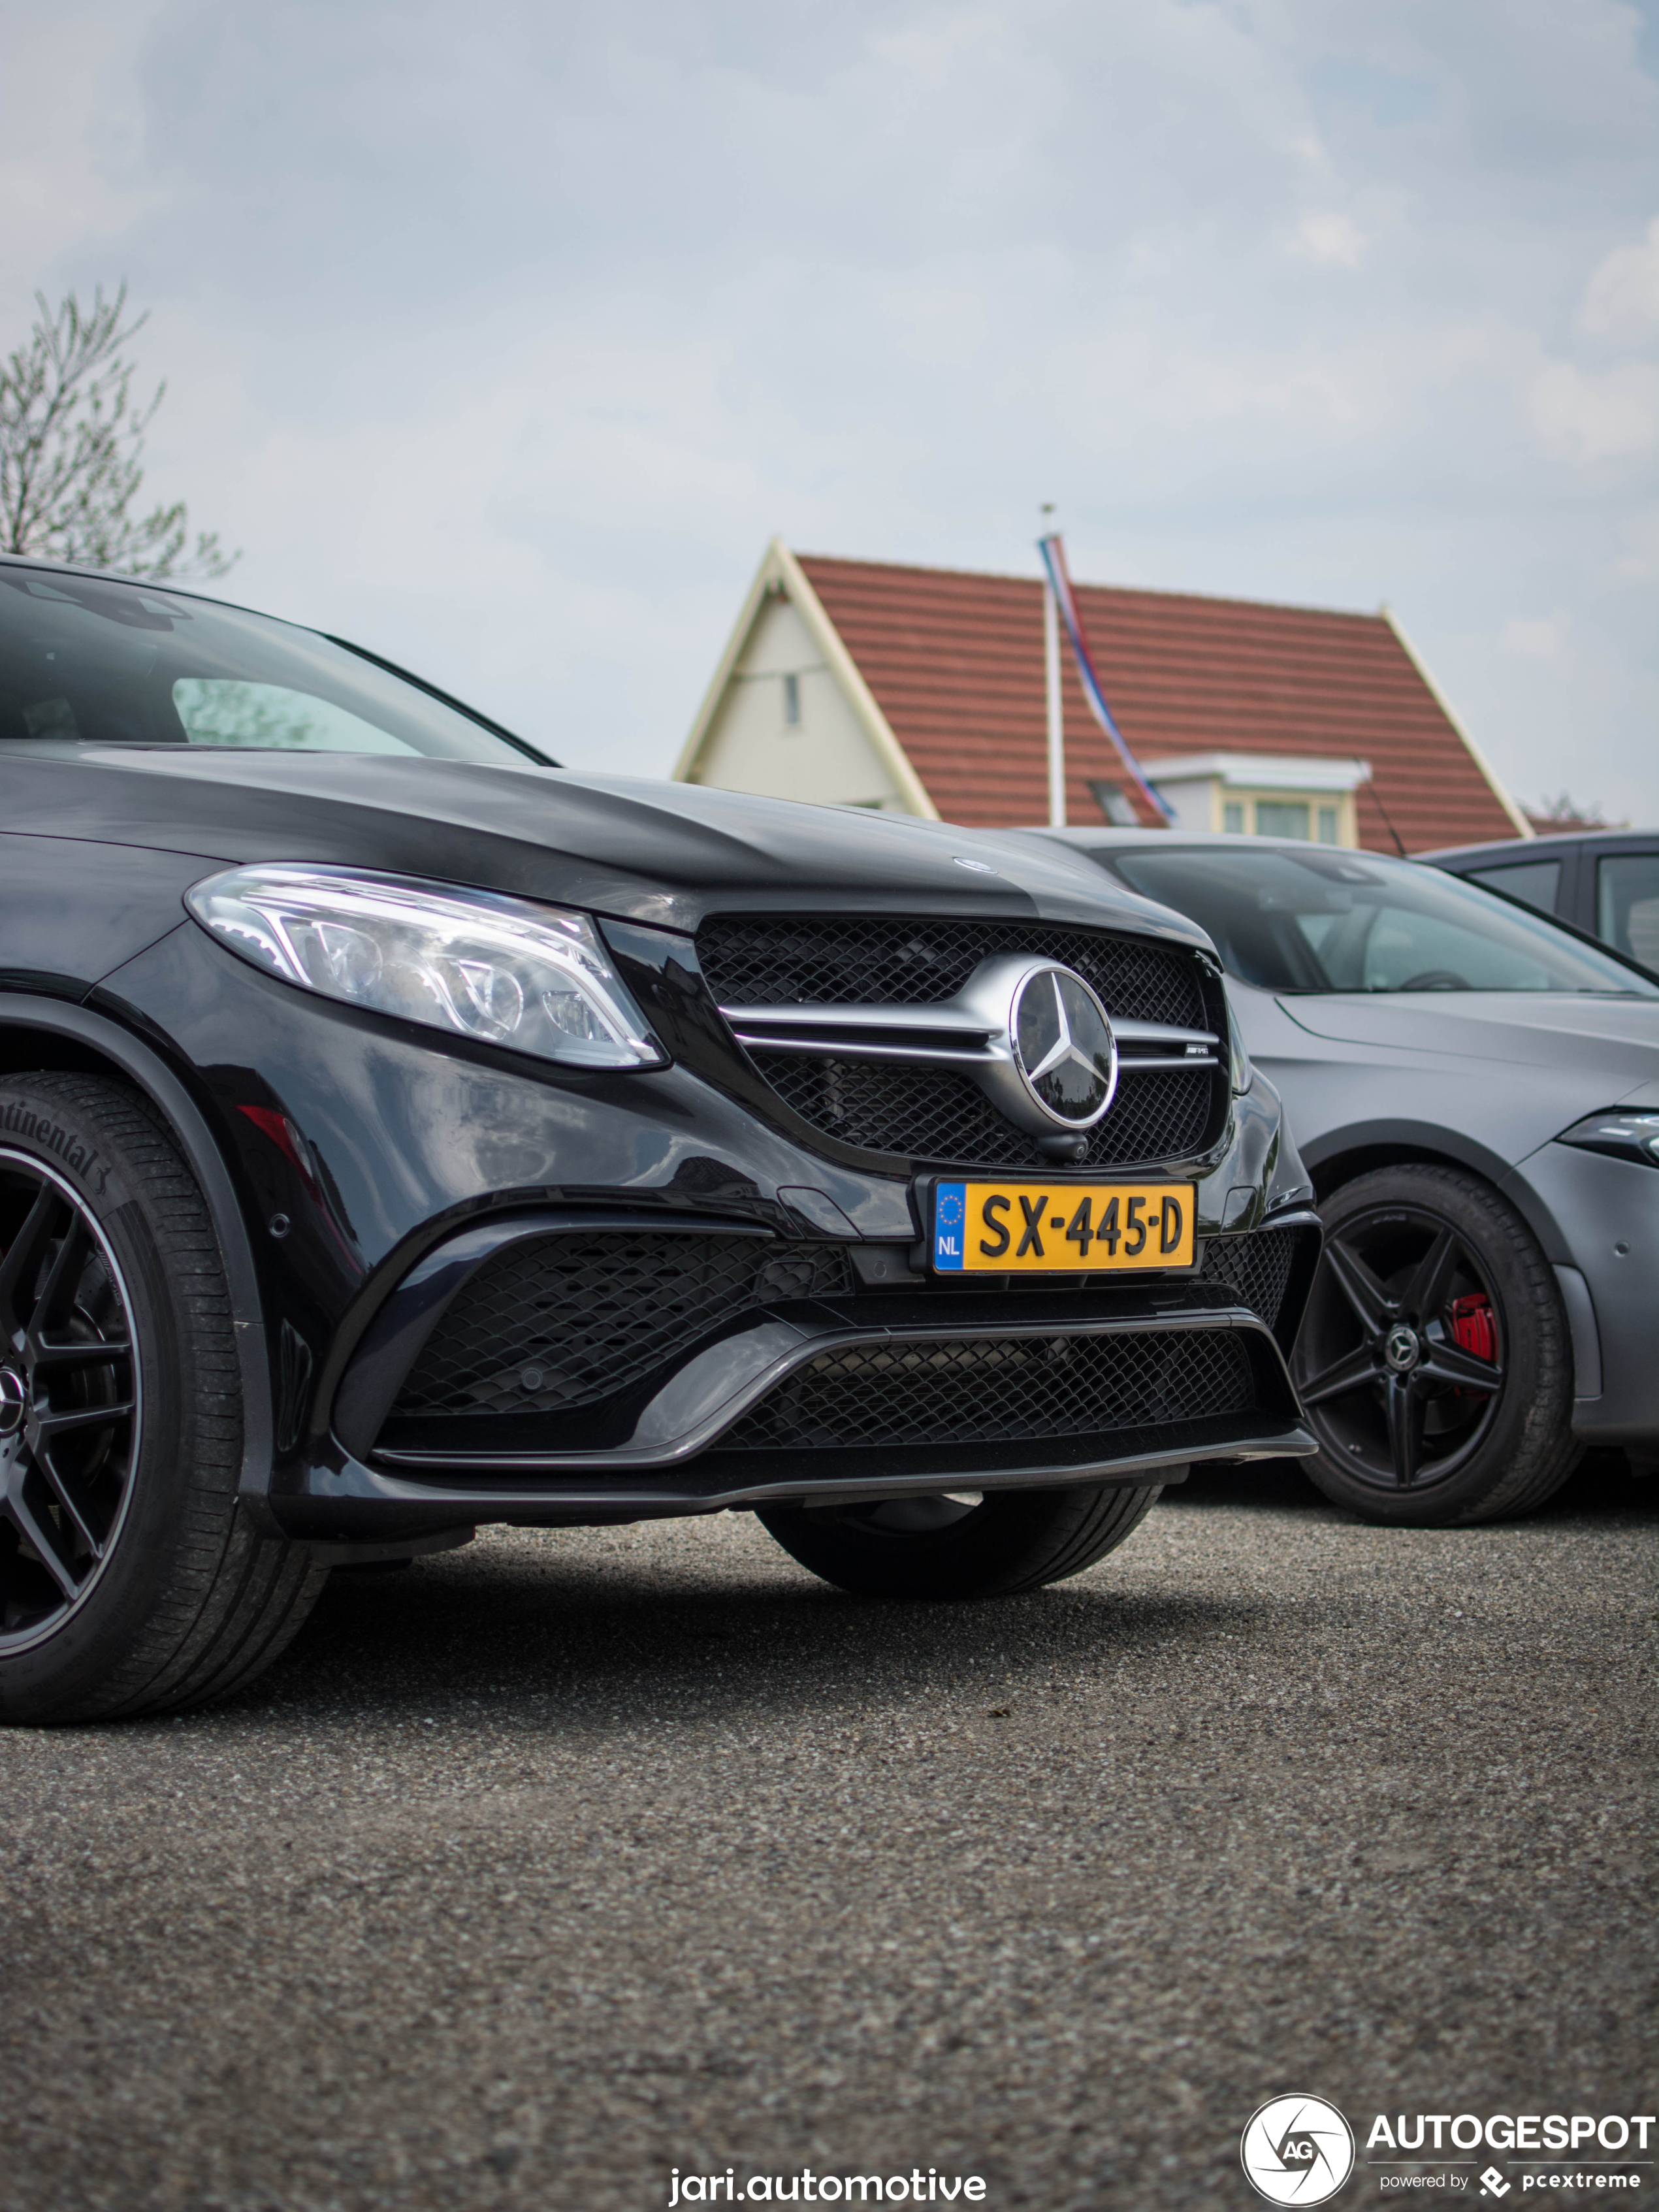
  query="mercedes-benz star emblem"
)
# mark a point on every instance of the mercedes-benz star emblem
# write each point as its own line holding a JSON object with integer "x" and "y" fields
{"x": 1063, "y": 1046}
{"x": 1402, "y": 1349}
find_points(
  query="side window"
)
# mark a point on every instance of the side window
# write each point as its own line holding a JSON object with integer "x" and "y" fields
{"x": 218, "y": 710}
{"x": 1537, "y": 882}
{"x": 1627, "y": 905}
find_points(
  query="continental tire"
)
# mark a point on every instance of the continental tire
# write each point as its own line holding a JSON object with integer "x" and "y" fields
{"x": 963, "y": 1545}
{"x": 131, "y": 1581}
{"x": 1435, "y": 1360}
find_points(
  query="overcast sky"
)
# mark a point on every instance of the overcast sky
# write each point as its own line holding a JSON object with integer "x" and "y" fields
{"x": 502, "y": 338}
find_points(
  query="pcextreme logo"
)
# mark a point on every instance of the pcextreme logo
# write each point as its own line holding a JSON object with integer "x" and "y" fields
{"x": 1296, "y": 2150}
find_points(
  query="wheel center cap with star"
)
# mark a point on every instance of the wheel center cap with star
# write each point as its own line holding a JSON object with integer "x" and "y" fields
{"x": 1402, "y": 1349}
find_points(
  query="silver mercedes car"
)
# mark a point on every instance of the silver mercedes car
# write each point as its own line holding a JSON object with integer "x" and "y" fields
{"x": 1475, "y": 1091}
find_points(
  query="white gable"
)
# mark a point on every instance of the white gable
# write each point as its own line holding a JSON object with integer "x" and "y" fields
{"x": 823, "y": 755}
{"x": 789, "y": 716}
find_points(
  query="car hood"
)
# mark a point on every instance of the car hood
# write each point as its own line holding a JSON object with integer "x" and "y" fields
{"x": 1614, "y": 1040}
{"x": 659, "y": 852}
{"x": 1491, "y": 1075}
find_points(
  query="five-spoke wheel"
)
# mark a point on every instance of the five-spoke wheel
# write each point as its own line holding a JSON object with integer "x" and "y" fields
{"x": 131, "y": 1578}
{"x": 71, "y": 1415}
{"x": 1434, "y": 1361}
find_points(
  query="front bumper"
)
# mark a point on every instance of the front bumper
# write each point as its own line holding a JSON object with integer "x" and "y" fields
{"x": 381, "y": 1170}
{"x": 873, "y": 1392}
{"x": 1605, "y": 1216}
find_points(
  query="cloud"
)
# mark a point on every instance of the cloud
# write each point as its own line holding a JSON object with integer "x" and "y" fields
{"x": 1543, "y": 638}
{"x": 1333, "y": 239}
{"x": 1639, "y": 562}
{"x": 1593, "y": 415}
{"x": 70, "y": 123}
{"x": 1621, "y": 300}
{"x": 503, "y": 344}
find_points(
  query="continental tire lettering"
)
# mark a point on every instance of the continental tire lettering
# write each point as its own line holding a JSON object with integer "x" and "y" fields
{"x": 80, "y": 1159}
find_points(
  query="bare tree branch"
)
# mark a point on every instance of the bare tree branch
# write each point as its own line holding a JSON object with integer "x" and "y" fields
{"x": 71, "y": 447}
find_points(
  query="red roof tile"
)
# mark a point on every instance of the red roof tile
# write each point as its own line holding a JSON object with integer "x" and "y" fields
{"x": 954, "y": 661}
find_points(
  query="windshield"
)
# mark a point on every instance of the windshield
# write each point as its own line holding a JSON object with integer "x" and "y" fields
{"x": 1341, "y": 921}
{"x": 90, "y": 662}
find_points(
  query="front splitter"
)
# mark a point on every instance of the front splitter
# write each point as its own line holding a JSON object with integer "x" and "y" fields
{"x": 346, "y": 1500}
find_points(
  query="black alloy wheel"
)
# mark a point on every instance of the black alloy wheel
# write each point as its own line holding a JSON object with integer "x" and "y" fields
{"x": 958, "y": 1543}
{"x": 132, "y": 1579}
{"x": 1434, "y": 1360}
{"x": 71, "y": 1413}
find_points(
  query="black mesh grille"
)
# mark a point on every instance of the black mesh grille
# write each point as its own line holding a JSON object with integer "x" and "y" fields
{"x": 933, "y": 1113}
{"x": 966, "y": 1391}
{"x": 1258, "y": 1267}
{"x": 787, "y": 960}
{"x": 575, "y": 1319}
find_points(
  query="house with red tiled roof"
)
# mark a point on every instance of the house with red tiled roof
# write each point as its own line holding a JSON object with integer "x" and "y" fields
{"x": 922, "y": 691}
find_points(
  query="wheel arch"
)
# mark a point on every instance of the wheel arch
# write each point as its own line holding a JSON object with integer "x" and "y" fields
{"x": 42, "y": 1034}
{"x": 1339, "y": 1155}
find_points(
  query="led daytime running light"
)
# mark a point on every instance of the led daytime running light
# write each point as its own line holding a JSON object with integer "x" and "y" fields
{"x": 504, "y": 971}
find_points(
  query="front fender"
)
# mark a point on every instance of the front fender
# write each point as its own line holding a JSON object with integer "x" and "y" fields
{"x": 22, "y": 1012}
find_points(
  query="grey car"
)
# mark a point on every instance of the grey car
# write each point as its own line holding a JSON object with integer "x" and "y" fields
{"x": 1475, "y": 1091}
{"x": 1604, "y": 882}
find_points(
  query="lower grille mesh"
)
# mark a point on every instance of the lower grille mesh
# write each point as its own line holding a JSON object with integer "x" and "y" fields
{"x": 574, "y": 1319}
{"x": 968, "y": 1390}
{"x": 1257, "y": 1267}
{"x": 934, "y": 1114}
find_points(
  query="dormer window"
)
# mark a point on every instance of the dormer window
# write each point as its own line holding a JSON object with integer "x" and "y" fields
{"x": 1263, "y": 795}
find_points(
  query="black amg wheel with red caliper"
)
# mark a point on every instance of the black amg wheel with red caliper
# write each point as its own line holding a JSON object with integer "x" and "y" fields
{"x": 1435, "y": 1360}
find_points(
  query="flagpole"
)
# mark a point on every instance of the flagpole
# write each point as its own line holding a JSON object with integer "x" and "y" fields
{"x": 1063, "y": 600}
{"x": 1056, "y": 707}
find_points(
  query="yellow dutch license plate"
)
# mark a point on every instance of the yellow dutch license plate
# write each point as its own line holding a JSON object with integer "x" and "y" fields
{"x": 1060, "y": 1229}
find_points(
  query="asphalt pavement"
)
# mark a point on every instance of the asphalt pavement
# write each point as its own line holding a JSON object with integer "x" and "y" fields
{"x": 542, "y": 1868}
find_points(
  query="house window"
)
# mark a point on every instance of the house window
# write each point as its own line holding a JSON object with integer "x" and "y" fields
{"x": 1115, "y": 804}
{"x": 1222, "y": 794}
{"x": 792, "y": 703}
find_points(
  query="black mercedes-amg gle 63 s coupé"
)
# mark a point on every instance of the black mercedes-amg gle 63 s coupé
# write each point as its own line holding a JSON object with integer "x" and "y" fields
{"x": 398, "y": 1133}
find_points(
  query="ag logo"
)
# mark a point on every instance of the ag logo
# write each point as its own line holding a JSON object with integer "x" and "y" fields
{"x": 1296, "y": 2150}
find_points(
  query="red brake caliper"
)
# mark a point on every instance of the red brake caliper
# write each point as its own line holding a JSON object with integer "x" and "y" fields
{"x": 1475, "y": 1330}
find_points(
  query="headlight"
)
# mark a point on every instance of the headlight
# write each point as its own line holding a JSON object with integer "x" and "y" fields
{"x": 502, "y": 970}
{"x": 1625, "y": 1136}
{"x": 1238, "y": 1060}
